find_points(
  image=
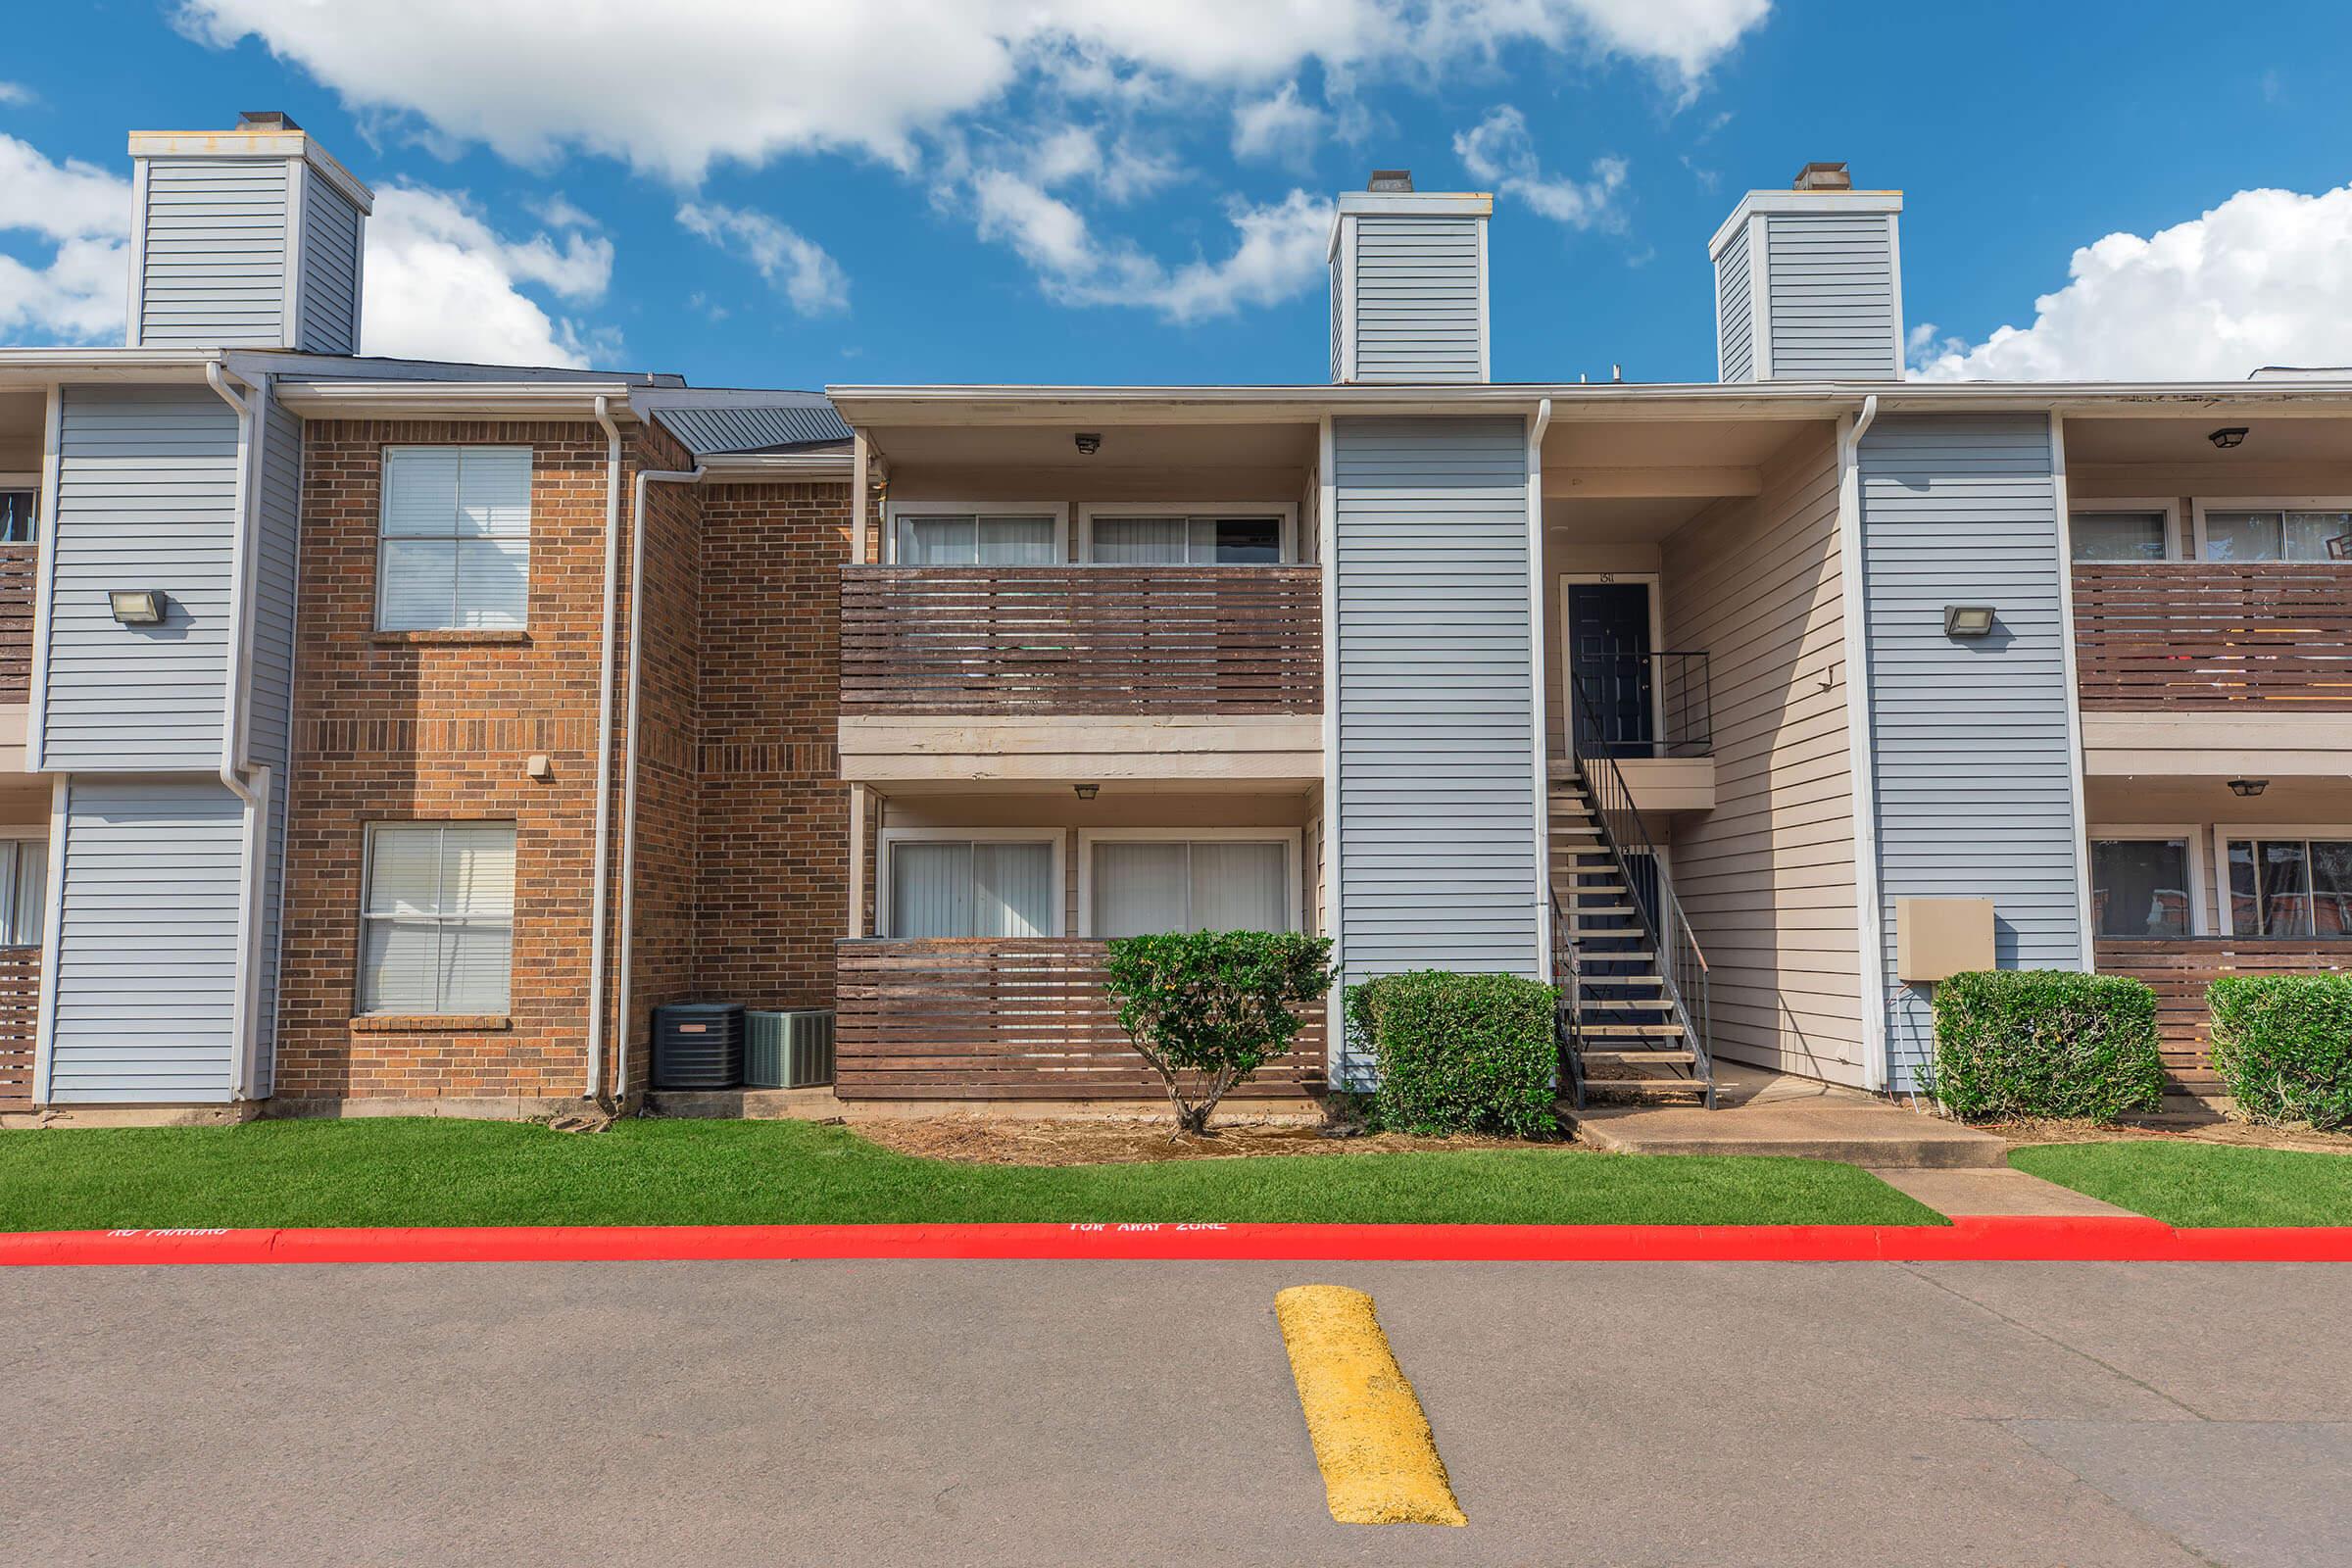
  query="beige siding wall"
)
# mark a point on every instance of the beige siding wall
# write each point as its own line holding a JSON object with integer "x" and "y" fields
{"x": 1768, "y": 876}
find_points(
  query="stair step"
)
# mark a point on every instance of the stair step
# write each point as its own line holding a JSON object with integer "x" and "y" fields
{"x": 1623, "y": 980}
{"x": 1630, "y": 956}
{"x": 1646, "y": 1003}
{"x": 1646, "y": 1085}
{"x": 1633, "y": 1030}
{"x": 1606, "y": 908}
{"x": 1635, "y": 1058}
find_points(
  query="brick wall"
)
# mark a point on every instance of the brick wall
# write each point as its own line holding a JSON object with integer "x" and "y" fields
{"x": 741, "y": 852}
{"x": 418, "y": 726}
{"x": 772, "y": 881}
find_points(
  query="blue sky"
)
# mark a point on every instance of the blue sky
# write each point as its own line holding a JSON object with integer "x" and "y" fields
{"x": 1090, "y": 190}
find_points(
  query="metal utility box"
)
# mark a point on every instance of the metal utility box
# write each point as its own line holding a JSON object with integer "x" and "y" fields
{"x": 698, "y": 1045}
{"x": 1936, "y": 939}
{"x": 788, "y": 1050}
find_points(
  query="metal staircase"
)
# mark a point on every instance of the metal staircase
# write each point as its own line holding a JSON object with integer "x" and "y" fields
{"x": 1633, "y": 1018}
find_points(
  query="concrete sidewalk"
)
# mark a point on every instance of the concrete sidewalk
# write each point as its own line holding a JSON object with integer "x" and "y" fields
{"x": 1143, "y": 1413}
{"x": 1761, "y": 1112}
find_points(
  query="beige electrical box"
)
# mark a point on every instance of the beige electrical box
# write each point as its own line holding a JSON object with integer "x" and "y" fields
{"x": 1936, "y": 939}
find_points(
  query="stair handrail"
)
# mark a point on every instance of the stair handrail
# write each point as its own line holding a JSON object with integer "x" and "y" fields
{"x": 1682, "y": 965}
{"x": 1567, "y": 1022}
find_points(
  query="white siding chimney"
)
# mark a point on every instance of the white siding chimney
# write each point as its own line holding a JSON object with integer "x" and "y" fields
{"x": 1408, "y": 284}
{"x": 244, "y": 238}
{"x": 1808, "y": 283}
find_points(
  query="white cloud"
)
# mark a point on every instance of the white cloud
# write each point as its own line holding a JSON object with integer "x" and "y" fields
{"x": 442, "y": 283}
{"x": 558, "y": 211}
{"x": 810, "y": 279}
{"x": 1278, "y": 252}
{"x": 1499, "y": 151}
{"x": 15, "y": 93}
{"x": 1278, "y": 130}
{"x": 2264, "y": 278}
{"x": 1120, "y": 168}
{"x": 747, "y": 79}
{"x": 82, "y": 214}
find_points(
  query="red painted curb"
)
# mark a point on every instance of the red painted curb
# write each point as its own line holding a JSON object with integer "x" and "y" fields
{"x": 1969, "y": 1238}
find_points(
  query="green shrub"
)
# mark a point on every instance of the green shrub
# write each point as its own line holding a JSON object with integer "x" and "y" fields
{"x": 1459, "y": 1053}
{"x": 2021, "y": 1043}
{"x": 1206, "y": 1008}
{"x": 2282, "y": 1044}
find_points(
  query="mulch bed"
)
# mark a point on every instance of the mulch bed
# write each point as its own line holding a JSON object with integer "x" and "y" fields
{"x": 2237, "y": 1134}
{"x": 994, "y": 1141}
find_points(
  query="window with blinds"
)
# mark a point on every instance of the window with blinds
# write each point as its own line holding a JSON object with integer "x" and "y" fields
{"x": 454, "y": 546}
{"x": 437, "y": 918}
{"x": 23, "y": 891}
{"x": 971, "y": 887}
{"x": 976, "y": 539}
{"x": 1186, "y": 541}
{"x": 1144, "y": 887}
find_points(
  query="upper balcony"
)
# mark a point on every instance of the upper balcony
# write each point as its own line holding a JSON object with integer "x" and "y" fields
{"x": 1076, "y": 640}
{"x": 2212, "y": 595}
{"x": 1043, "y": 601}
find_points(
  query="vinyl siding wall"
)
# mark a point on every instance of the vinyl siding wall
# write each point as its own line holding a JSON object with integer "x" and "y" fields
{"x": 1767, "y": 877}
{"x": 1736, "y": 352}
{"x": 1830, "y": 291}
{"x": 1436, "y": 814}
{"x": 330, "y": 269}
{"x": 1417, "y": 305}
{"x": 147, "y": 494}
{"x": 146, "y": 967}
{"x": 276, "y": 525}
{"x": 213, "y": 268}
{"x": 1969, "y": 737}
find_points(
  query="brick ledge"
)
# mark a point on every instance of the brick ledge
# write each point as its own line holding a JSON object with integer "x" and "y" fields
{"x": 451, "y": 635}
{"x": 444, "y": 1023}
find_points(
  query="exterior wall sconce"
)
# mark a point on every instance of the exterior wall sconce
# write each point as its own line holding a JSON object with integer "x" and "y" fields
{"x": 1968, "y": 621}
{"x": 136, "y": 607}
{"x": 1089, "y": 442}
{"x": 2249, "y": 788}
{"x": 2229, "y": 435}
{"x": 1087, "y": 792}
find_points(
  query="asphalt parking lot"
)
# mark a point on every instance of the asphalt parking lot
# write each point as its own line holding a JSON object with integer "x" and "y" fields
{"x": 1040, "y": 1412}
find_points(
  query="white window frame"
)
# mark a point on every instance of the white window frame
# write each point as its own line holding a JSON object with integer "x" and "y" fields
{"x": 2201, "y": 505}
{"x": 2200, "y": 923}
{"x": 2224, "y": 832}
{"x": 893, "y": 511}
{"x": 28, "y": 479}
{"x": 368, "y": 887}
{"x": 890, "y": 837}
{"x": 30, "y": 834}
{"x": 2170, "y": 506}
{"x": 1292, "y": 840}
{"x": 531, "y": 529}
{"x": 1287, "y": 511}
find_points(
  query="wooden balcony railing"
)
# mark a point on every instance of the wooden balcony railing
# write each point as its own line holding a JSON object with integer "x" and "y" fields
{"x": 19, "y": 1006}
{"x": 2166, "y": 635}
{"x": 19, "y": 565}
{"x": 1012, "y": 1018}
{"x": 991, "y": 640}
{"x": 2179, "y": 969}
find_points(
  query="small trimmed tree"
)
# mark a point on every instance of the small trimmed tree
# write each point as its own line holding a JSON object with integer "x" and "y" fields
{"x": 1208, "y": 1008}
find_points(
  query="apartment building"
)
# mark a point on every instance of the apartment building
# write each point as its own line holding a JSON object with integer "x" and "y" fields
{"x": 398, "y": 732}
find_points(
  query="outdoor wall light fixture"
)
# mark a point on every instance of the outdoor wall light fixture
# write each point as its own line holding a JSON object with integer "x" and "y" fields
{"x": 1968, "y": 621}
{"x": 136, "y": 607}
{"x": 2227, "y": 437}
{"x": 1089, "y": 442}
{"x": 1087, "y": 792}
{"x": 2249, "y": 788}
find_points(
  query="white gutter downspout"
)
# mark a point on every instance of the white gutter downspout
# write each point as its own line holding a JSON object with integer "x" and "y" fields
{"x": 600, "y": 877}
{"x": 233, "y": 730}
{"x": 1536, "y": 635}
{"x": 1870, "y": 915}
{"x": 629, "y": 794}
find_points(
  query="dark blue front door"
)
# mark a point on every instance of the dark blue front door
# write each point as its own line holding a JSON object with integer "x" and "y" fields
{"x": 1608, "y": 660}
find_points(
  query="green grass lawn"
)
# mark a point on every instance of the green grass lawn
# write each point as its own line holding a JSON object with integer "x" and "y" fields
{"x": 2188, "y": 1184}
{"x": 447, "y": 1173}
